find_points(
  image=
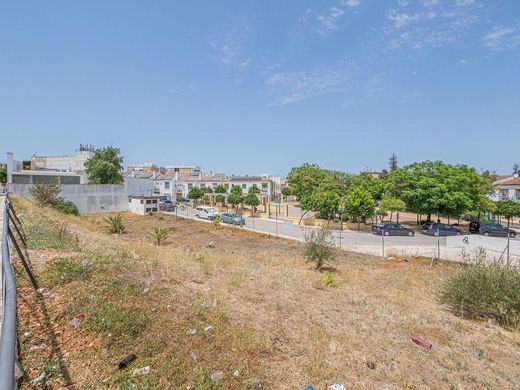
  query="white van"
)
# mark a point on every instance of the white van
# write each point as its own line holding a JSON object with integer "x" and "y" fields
{"x": 205, "y": 212}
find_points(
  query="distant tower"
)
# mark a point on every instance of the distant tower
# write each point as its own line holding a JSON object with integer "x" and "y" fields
{"x": 392, "y": 162}
{"x": 516, "y": 169}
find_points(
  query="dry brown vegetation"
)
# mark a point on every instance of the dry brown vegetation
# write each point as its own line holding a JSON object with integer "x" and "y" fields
{"x": 273, "y": 318}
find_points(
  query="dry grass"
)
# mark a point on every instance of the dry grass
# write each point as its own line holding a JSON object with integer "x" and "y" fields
{"x": 273, "y": 317}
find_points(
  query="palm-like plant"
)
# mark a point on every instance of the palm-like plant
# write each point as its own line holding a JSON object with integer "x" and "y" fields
{"x": 160, "y": 235}
{"x": 116, "y": 223}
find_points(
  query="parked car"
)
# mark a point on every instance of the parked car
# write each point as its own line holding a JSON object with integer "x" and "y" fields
{"x": 442, "y": 229}
{"x": 205, "y": 212}
{"x": 167, "y": 205}
{"x": 232, "y": 218}
{"x": 182, "y": 199}
{"x": 391, "y": 229}
{"x": 490, "y": 229}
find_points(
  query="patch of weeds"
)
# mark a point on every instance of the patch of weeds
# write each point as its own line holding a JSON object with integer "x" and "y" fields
{"x": 119, "y": 321}
{"x": 204, "y": 262}
{"x": 41, "y": 234}
{"x": 328, "y": 279}
{"x": 64, "y": 270}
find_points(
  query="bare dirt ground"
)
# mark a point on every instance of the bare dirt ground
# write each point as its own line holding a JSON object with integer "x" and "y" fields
{"x": 241, "y": 306}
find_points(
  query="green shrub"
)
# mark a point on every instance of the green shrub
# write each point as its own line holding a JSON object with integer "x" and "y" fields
{"x": 67, "y": 207}
{"x": 160, "y": 235}
{"x": 41, "y": 234}
{"x": 216, "y": 221}
{"x": 319, "y": 247}
{"x": 482, "y": 288}
{"x": 116, "y": 223}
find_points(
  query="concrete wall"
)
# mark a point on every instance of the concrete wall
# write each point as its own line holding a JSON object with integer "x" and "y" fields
{"x": 93, "y": 198}
{"x": 493, "y": 245}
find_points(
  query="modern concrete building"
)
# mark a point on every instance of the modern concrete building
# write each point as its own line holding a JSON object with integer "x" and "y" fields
{"x": 74, "y": 163}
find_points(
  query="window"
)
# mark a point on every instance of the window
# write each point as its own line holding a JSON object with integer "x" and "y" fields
{"x": 142, "y": 201}
{"x": 244, "y": 186}
{"x": 148, "y": 201}
{"x": 264, "y": 187}
{"x": 154, "y": 201}
{"x": 189, "y": 186}
{"x": 167, "y": 185}
{"x": 154, "y": 209}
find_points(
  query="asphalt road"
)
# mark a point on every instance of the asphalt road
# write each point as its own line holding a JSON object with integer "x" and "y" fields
{"x": 346, "y": 238}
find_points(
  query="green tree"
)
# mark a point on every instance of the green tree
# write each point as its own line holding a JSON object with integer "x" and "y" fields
{"x": 195, "y": 193}
{"x": 359, "y": 205}
{"x": 253, "y": 190}
{"x": 47, "y": 194}
{"x": 105, "y": 166}
{"x": 305, "y": 179}
{"x": 3, "y": 175}
{"x": 220, "y": 189}
{"x": 433, "y": 187}
{"x": 319, "y": 247}
{"x": 286, "y": 191}
{"x": 393, "y": 205}
{"x": 205, "y": 199}
{"x": 252, "y": 201}
{"x": 220, "y": 198}
{"x": 508, "y": 209}
{"x": 235, "y": 196}
{"x": 206, "y": 190}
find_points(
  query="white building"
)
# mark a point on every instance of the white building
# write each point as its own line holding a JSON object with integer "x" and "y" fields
{"x": 143, "y": 204}
{"x": 73, "y": 163}
{"x": 507, "y": 188}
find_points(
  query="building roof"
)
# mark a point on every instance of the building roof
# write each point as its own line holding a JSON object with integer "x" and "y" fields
{"x": 511, "y": 180}
{"x": 247, "y": 178}
{"x": 138, "y": 174}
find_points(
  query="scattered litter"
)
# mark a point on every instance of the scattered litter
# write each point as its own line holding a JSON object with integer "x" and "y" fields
{"x": 236, "y": 374}
{"x": 371, "y": 365}
{"x": 337, "y": 386}
{"x": 126, "y": 361}
{"x": 38, "y": 379}
{"x": 479, "y": 354}
{"x": 141, "y": 371}
{"x": 145, "y": 290}
{"x": 41, "y": 290}
{"x": 205, "y": 305}
{"x": 77, "y": 319}
{"x": 168, "y": 306}
{"x": 390, "y": 258}
{"x": 27, "y": 335}
{"x": 253, "y": 383}
{"x": 191, "y": 332}
{"x": 217, "y": 375}
{"x": 154, "y": 309}
{"x": 208, "y": 328}
{"x": 421, "y": 342}
{"x": 210, "y": 245}
{"x": 309, "y": 387}
{"x": 37, "y": 347}
{"x": 193, "y": 356}
{"x": 84, "y": 263}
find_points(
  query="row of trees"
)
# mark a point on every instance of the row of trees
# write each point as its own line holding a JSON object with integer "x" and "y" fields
{"x": 235, "y": 197}
{"x": 425, "y": 188}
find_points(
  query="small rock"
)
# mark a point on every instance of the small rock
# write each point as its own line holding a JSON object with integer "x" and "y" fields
{"x": 217, "y": 375}
{"x": 210, "y": 245}
{"x": 236, "y": 374}
{"x": 479, "y": 354}
{"x": 37, "y": 347}
{"x": 38, "y": 379}
{"x": 41, "y": 290}
{"x": 193, "y": 356}
{"x": 205, "y": 305}
{"x": 253, "y": 383}
{"x": 27, "y": 335}
{"x": 191, "y": 332}
{"x": 390, "y": 258}
{"x": 145, "y": 290}
{"x": 208, "y": 328}
{"x": 337, "y": 386}
{"x": 141, "y": 371}
{"x": 371, "y": 365}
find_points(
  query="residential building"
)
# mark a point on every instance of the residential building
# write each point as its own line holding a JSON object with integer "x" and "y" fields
{"x": 262, "y": 182}
{"x": 507, "y": 188}
{"x": 74, "y": 163}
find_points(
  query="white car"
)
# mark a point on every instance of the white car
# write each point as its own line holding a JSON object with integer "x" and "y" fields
{"x": 206, "y": 212}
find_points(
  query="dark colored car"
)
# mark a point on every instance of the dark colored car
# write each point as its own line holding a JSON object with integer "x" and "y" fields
{"x": 167, "y": 205}
{"x": 432, "y": 229}
{"x": 391, "y": 229}
{"x": 232, "y": 218}
{"x": 490, "y": 229}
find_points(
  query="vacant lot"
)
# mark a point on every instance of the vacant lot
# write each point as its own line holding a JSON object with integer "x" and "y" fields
{"x": 244, "y": 307}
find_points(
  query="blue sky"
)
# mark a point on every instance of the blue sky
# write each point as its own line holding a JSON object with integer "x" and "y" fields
{"x": 261, "y": 86}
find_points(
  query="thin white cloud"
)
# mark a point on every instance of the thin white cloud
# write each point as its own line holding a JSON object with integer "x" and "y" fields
{"x": 329, "y": 21}
{"x": 229, "y": 54}
{"x": 462, "y": 3}
{"x": 500, "y": 38}
{"x": 291, "y": 87}
{"x": 353, "y": 3}
{"x": 401, "y": 19}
